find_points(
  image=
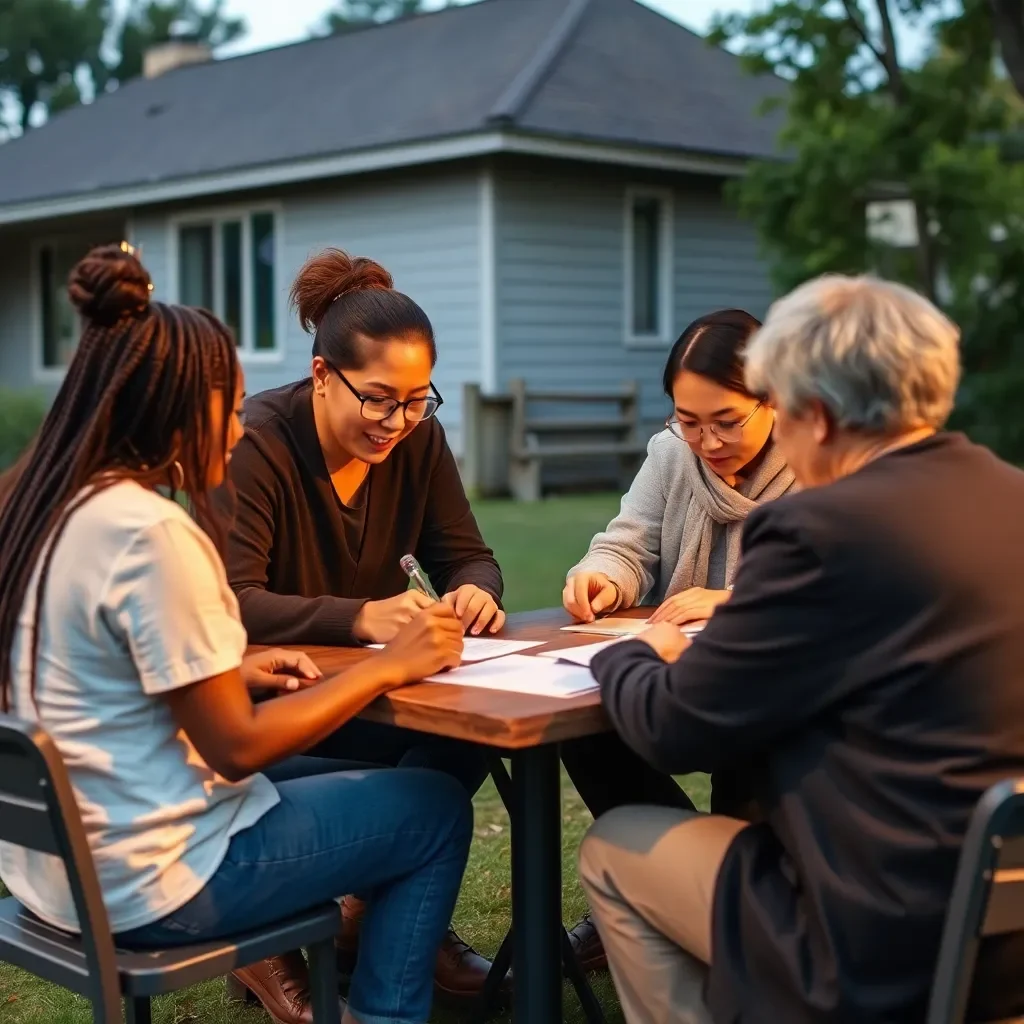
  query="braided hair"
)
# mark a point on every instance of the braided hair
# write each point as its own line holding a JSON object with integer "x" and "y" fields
{"x": 134, "y": 405}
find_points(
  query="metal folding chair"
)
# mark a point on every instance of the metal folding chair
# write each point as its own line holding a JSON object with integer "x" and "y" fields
{"x": 988, "y": 898}
{"x": 38, "y": 811}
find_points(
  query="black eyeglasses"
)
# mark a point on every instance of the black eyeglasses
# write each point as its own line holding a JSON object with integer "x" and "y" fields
{"x": 382, "y": 407}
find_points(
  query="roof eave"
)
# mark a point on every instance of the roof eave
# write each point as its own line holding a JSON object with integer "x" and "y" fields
{"x": 477, "y": 144}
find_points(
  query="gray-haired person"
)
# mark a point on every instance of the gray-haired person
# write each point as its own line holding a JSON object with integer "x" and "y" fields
{"x": 869, "y": 660}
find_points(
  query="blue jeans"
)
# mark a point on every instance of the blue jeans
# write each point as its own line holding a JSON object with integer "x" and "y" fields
{"x": 398, "y": 839}
{"x": 366, "y": 742}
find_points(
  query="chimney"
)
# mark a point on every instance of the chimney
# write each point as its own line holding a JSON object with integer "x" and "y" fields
{"x": 181, "y": 49}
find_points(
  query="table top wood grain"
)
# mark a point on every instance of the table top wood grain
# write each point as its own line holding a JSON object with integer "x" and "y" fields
{"x": 507, "y": 720}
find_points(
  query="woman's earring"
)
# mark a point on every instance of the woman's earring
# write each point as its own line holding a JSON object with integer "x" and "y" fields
{"x": 179, "y": 474}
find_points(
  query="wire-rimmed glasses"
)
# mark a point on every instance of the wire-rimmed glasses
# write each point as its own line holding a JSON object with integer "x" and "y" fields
{"x": 728, "y": 432}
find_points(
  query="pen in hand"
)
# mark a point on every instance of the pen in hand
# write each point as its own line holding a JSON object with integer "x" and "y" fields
{"x": 419, "y": 579}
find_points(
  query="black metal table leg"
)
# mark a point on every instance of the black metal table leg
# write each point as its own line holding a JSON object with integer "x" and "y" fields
{"x": 574, "y": 972}
{"x": 488, "y": 1002}
{"x": 537, "y": 886}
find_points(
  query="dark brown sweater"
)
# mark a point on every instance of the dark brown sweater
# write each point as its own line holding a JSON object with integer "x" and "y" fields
{"x": 288, "y": 557}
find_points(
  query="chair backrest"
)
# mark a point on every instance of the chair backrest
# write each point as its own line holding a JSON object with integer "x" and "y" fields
{"x": 38, "y": 811}
{"x": 988, "y": 897}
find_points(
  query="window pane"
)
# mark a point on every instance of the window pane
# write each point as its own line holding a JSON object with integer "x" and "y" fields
{"x": 195, "y": 266}
{"x": 646, "y": 265}
{"x": 263, "y": 280}
{"x": 58, "y": 318}
{"x": 231, "y": 257}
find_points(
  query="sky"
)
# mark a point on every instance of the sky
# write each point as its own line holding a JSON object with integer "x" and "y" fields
{"x": 273, "y": 22}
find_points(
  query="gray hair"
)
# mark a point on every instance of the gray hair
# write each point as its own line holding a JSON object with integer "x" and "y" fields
{"x": 878, "y": 356}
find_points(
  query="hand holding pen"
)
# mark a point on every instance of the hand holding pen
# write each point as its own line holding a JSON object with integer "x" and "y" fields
{"x": 477, "y": 609}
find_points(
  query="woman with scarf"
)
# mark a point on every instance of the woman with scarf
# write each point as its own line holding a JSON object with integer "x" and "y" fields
{"x": 675, "y": 545}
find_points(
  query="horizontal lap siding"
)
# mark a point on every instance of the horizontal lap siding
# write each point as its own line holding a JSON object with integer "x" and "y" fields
{"x": 424, "y": 228}
{"x": 149, "y": 236}
{"x": 717, "y": 264}
{"x": 20, "y": 323}
{"x": 560, "y": 266}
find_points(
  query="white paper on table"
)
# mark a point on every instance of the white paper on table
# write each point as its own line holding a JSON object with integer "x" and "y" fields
{"x": 517, "y": 673}
{"x": 583, "y": 654}
{"x": 482, "y": 648}
{"x": 625, "y": 627}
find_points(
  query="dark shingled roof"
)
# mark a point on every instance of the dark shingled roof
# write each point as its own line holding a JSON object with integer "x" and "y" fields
{"x": 610, "y": 71}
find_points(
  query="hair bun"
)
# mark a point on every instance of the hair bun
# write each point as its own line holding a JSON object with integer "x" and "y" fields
{"x": 110, "y": 284}
{"x": 327, "y": 276}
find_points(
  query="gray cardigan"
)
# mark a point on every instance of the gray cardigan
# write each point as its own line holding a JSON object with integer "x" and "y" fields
{"x": 641, "y": 547}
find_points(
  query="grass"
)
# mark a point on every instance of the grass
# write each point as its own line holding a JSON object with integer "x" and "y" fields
{"x": 534, "y": 544}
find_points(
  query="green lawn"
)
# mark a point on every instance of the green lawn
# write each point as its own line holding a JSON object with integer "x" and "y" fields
{"x": 534, "y": 544}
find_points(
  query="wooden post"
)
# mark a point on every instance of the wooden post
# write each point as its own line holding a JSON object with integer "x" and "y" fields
{"x": 486, "y": 427}
{"x": 471, "y": 454}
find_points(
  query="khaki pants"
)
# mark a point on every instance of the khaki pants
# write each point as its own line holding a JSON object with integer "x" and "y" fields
{"x": 650, "y": 875}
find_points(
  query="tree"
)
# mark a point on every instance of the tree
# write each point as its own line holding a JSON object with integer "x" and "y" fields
{"x": 57, "y": 53}
{"x": 155, "y": 21}
{"x": 863, "y": 123}
{"x": 44, "y": 44}
{"x": 1008, "y": 21}
{"x": 353, "y": 14}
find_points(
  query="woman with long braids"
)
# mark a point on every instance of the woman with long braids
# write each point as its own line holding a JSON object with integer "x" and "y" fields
{"x": 120, "y": 636}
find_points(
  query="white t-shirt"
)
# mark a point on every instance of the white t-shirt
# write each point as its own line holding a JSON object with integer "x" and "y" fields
{"x": 137, "y": 604}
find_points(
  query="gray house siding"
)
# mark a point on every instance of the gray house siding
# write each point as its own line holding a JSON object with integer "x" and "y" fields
{"x": 423, "y": 226}
{"x": 546, "y": 304}
{"x": 20, "y": 300}
{"x": 560, "y": 266}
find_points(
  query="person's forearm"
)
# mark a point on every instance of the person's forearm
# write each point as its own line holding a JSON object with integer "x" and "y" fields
{"x": 291, "y": 724}
{"x": 288, "y": 619}
{"x": 637, "y": 690}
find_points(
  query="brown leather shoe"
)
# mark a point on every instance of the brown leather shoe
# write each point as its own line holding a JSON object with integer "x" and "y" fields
{"x": 459, "y": 973}
{"x": 281, "y": 984}
{"x": 587, "y": 945}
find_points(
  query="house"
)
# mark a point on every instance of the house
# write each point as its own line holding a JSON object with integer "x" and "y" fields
{"x": 544, "y": 176}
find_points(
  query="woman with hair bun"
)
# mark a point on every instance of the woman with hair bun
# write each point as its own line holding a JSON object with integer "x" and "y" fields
{"x": 338, "y": 476}
{"x": 120, "y": 636}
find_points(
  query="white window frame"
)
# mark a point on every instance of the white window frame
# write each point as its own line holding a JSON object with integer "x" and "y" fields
{"x": 665, "y": 334}
{"x": 215, "y": 216}
{"x": 41, "y": 373}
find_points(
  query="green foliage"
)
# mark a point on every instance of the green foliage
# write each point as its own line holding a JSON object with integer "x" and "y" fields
{"x": 21, "y": 414}
{"x": 56, "y": 53}
{"x": 154, "y": 22}
{"x": 863, "y": 124}
{"x": 353, "y": 14}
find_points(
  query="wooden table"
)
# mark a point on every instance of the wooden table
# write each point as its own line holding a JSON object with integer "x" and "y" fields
{"x": 527, "y": 730}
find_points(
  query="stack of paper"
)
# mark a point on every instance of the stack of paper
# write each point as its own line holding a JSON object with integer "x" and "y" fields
{"x": 581, "y": 655}
{"x": 625, "y": 627}
{"x": 518, "y": 673}
{"x": 481, "y": 648}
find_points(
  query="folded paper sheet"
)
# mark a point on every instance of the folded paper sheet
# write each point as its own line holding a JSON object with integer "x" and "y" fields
{"x": 517, "y": 673}
{"x": 624, "y": 627}
{"x": 481, "y": 648}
